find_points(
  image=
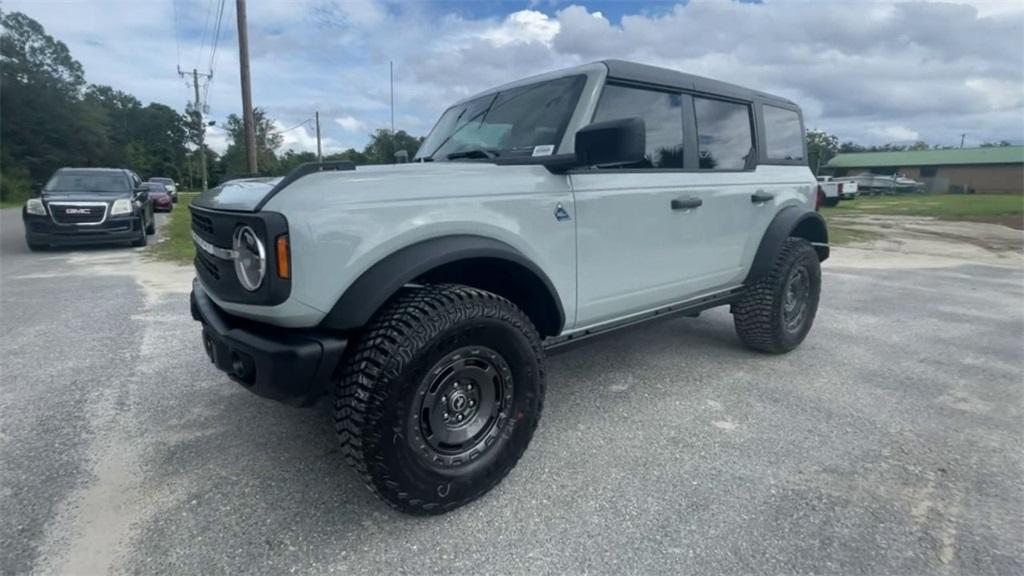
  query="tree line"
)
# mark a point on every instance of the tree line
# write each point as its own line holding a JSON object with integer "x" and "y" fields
{"x": 51, "y": 117}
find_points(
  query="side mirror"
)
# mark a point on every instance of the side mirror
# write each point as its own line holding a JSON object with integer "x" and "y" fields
{"x": 612, "y": 143}
{"x": 144, "y": 187}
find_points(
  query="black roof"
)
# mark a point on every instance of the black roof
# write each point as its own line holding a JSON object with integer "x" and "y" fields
{"x": 642, "y": 73}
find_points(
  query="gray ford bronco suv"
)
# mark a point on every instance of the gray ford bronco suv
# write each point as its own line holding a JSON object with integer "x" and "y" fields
{"x": 422, "y": 296}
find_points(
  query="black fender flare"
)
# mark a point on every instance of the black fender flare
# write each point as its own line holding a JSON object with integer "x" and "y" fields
{"x": 790, "y": 221}
{"x": 384, "y": 279}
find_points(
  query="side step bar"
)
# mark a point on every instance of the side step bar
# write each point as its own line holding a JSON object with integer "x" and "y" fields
{"x": 690, "y": 307}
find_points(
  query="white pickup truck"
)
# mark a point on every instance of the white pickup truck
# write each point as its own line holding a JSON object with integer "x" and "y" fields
{"x": 835, "y": 190}
{"x": 423, "y": 295}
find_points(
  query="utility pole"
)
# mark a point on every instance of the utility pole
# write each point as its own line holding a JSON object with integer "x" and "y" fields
{"x": 391, "y": 67}
{"x": 391, "y": 70}
{"x": 962, "y": 136}
{"x": 200, "y": 123}
{"x": 202, "y": 126}
{"x": 319, "y": 150}
{"x": 243, "y": 63}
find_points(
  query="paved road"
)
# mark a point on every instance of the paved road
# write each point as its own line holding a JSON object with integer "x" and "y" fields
{"x": 891, "y": 442}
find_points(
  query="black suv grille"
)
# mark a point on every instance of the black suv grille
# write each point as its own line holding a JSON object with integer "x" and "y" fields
{"x": 92, "y": 213}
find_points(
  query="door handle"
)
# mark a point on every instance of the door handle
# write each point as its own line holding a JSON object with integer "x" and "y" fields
{"x": 687, "y": 203}
{"x": 760, "y": 196}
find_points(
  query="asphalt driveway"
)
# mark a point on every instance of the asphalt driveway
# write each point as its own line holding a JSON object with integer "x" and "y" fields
{"x": 891, "y": 442}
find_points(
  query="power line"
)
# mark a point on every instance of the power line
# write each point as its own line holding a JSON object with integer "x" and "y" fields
{"x": 177, "y": 40}
{"x": 303, "y": 123}
{"x": 216, "y": 37}
{"x": 213, "y": 53}
{"x": 206, "y": 29}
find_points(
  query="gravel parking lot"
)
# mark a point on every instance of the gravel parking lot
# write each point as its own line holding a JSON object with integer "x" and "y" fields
{"x": 891, "y": 442}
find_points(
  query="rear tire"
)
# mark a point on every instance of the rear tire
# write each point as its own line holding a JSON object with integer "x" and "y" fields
{"x": 777, "y": 311}
{"x": 439, "y": 397}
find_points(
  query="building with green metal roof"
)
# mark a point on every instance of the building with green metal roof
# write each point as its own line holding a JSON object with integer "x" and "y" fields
{"x": 994, "y": 170}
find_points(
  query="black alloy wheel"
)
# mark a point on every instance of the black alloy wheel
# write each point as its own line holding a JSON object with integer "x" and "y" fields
{"x": 463, "y": 402}
{"x": 798, "y": 290}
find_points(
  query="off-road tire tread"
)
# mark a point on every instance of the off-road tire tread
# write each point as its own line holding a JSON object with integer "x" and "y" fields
{"x": 756, "y": 316}
{"x": 406, "y": 325}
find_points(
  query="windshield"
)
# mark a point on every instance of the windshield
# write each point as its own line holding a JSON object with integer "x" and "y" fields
{"x": 523, "y": 121}
{"x": 87, "y": 182}
{"x": 162, "y": 180}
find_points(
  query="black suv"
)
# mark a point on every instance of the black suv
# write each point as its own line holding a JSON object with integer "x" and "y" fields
{"x": 89, "y": 206}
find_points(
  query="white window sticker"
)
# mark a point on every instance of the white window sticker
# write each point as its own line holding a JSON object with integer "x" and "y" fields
{"x": 545, "y": 150}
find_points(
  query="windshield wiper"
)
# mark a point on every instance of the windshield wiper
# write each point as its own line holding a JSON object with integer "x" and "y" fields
{"x": 474, "y": 153}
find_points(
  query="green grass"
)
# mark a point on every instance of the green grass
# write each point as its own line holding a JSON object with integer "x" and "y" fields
{"x": 1007, "y": 209}
{"x": 177, "y": 246}
{"x": 11, "y": 204}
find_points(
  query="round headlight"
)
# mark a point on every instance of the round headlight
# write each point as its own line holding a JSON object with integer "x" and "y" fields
{"x": 250, "y": 258}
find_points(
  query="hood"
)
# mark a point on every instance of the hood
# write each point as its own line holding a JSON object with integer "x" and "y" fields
{"x": 83, "y": 196}
{"x": 434, "y": 181}
{"x": 385, "y": 182}
{"x": 241, "y": 195}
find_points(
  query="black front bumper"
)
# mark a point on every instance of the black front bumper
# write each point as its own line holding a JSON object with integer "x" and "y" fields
{"x": 288, "y": 365}
{"x": 41, "y": 229}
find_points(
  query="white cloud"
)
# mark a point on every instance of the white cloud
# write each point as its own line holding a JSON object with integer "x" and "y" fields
{"x": 523, "y": 27}
{"x": 895, "y": 133}
{"x": 217, "y": 139}
{"x": 1000, "y": 94}
{"x": 351, "y": 124}
{"x": 301, "y": 138}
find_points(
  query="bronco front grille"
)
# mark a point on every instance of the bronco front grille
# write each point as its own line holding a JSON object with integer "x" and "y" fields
{"x": 202, "y": 223}
{"x": 212, "y": 234}
{"x": 84, "y": 213}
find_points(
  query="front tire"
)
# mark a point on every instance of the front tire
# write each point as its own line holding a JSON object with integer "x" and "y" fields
{"x": 831, "y": 202}
{"x": 143, "y": 238}
{"x": 777, "y": 311}
{"x": 439, "y": 397}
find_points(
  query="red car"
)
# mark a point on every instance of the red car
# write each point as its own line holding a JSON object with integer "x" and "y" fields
{"x": 161, "y": 197}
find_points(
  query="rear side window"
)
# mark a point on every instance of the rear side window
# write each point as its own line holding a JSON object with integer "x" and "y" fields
{"x": 662, "y": 113}
{"x": 784, "y": 139}
{"x": 724, "y": 137}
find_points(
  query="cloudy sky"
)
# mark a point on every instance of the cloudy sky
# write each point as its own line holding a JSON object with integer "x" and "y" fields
{"x": 872, "y": 72}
